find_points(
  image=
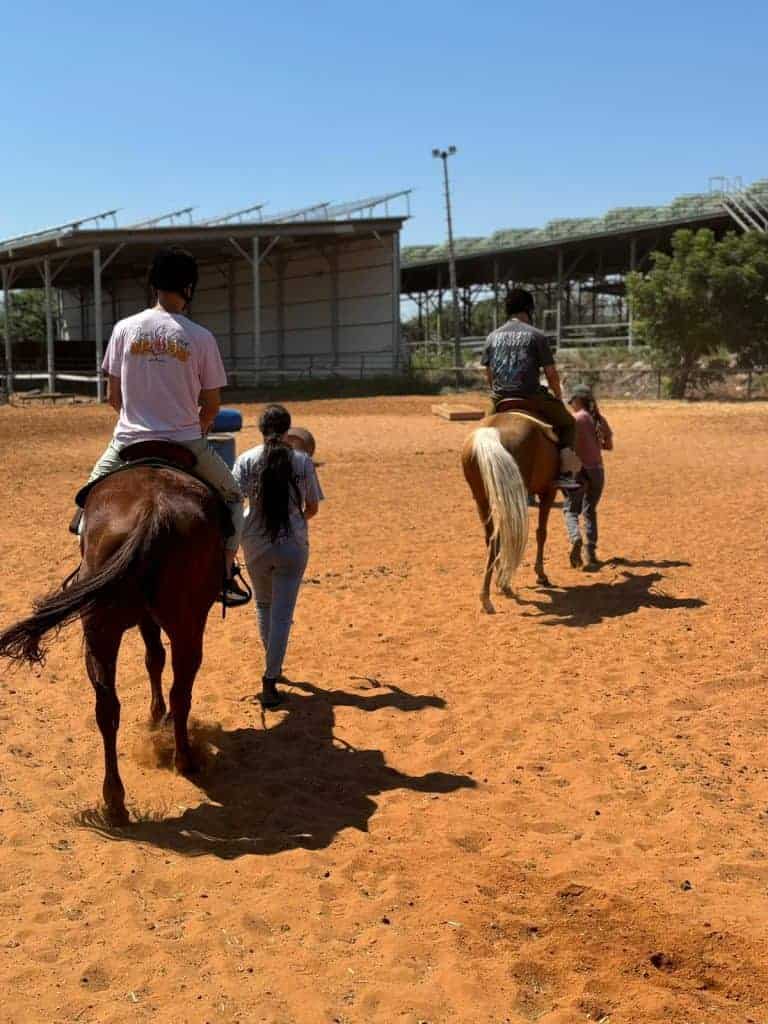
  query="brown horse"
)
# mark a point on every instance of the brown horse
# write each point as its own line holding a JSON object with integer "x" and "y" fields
{"x": 508, "y": 457}
{"x": 153, "y": 557}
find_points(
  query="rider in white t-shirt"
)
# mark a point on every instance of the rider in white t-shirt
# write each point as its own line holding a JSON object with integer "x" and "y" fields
{"x": 165, "y": 372}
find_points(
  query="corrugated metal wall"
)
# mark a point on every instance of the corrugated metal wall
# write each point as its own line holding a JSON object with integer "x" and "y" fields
{"x": 325, "y": 308}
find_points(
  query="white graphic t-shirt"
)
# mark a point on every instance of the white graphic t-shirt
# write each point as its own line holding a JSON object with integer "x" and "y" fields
{"x": 164, "y": 360}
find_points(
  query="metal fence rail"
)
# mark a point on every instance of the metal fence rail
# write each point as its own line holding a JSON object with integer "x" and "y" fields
{"x": 246, "y": 370}
{"x": 626, "y": 383}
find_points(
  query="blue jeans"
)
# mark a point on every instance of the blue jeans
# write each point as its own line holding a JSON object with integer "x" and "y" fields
{"x": 584, "y": 502}
{"x": 276, "y": 575}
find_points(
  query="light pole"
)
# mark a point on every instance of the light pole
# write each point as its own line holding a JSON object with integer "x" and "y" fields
{"x": 443, "y": 154}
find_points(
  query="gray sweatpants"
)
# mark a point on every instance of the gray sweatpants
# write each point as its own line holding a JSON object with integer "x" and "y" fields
{"x": 210, "y": 466}
{"x": 276, "y": 575}
{"x": 584, "y": 502}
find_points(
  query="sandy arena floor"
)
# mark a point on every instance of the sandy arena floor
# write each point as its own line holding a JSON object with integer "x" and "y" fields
{"x": 557, "y": 814}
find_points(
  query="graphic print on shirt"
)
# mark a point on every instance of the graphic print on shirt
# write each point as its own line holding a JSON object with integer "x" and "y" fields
{"x": 160, "y": 341}
{"x": 515, "y": 353}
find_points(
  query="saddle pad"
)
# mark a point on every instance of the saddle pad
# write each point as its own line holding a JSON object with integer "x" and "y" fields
{"x": 224, "y": 513}
{"x": 547, "y": 430}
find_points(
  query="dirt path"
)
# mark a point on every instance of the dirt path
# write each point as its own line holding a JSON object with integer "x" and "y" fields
{"x": 557, "y": 814}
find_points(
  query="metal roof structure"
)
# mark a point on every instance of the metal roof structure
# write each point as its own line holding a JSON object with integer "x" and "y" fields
{"x": 531, "y": 254}
{"x": 131, "y": 249}
{"x": 76, "y": 254}
{"x": 69, "y": 246}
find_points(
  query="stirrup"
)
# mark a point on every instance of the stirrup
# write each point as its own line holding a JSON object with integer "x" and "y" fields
{"x": 567, "y": 482}
{"x": 235, "y": 594}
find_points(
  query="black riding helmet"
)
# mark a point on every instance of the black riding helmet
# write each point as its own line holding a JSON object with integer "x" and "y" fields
{"x": 174, "y": 270}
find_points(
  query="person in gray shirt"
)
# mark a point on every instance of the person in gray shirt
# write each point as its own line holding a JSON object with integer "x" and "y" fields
{"x": 514, "y": 357}
{"x": 283, "y": 493}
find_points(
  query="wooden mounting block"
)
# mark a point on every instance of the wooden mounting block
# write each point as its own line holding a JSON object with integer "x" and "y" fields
{"x": 457, "y": 412}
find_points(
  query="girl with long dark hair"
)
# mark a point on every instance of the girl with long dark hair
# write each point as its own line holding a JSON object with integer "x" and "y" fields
{"x": 593, "y": 437}
{"x": 284, "y": 493}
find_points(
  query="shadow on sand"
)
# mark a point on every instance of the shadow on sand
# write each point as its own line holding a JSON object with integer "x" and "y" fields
{"x": 590, "y": 603}
{"x": 648, "y": 563}
{"x": 291, "y": 783}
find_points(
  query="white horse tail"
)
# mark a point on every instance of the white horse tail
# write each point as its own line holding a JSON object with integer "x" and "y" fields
{"x": 507, "y": 498}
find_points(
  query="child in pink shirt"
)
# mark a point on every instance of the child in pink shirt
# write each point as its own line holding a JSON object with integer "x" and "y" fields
{"x": 593, "y": 437}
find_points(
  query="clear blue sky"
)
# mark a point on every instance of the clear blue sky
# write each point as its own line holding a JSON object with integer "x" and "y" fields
{"x": 557, "y": 109}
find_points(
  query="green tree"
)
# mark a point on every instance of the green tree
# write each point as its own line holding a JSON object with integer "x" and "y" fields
{"x": 27, "y": 315}
{"x": 704, "y": 296}
{"x": 675, "y": 307}
{"x": 740, "y": 294}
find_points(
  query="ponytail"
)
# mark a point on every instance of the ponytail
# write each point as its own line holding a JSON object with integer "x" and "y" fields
{"x": 275, "y": 481}
{"x": 594, "y": 411}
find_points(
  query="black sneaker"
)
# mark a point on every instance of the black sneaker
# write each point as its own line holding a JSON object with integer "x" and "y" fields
{"x": 270, "y": 697}
{"x": 592, "y": 564}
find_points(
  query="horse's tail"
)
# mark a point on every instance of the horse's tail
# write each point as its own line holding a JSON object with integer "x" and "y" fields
{"x": 507, "y": 499}
{"x": 22, "y": 641}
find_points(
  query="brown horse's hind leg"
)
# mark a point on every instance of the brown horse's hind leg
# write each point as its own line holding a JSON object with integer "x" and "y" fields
{"x": 101, "y": 647}
{"x": 155, "y": 662}
{"x": 186, "y": 655}
{"x": 546, "y": 500}
{"x": 485, "y": 593}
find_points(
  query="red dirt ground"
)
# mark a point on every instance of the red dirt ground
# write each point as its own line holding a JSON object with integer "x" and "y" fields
{"x": 557, "y": 814}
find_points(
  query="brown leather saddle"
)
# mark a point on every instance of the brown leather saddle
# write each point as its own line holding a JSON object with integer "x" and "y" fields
{"x": 529, "y": 410}
{"x": 160, "y": 455}
{"x": 165, "y": 451}
{"x": 518, "y": 405}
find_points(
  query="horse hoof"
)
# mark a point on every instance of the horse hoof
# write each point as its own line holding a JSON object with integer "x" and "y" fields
{"x": 157, "y": 719}
{"x": 543, "y": 581}
{"x": 117, "y": 816}
{"x": 488, "y": 607}
{"x": 186, "y": 765}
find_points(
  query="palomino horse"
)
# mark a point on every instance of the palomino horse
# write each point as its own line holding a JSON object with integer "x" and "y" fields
{"x": 509, "y": 457}
{"x": 153, "y": 557}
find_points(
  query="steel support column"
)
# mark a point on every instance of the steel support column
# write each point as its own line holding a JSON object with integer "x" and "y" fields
{"x": 630, "y": 310}
{"x": 396, "y": 340}
{"x": 98, "y": 323}
{"x": 333, "y": 261}
{"x": 559, "y": 315}
{"x": 7, "y": 330}
{"x": 49, "y": 342}
{"x": 279, "y": 265}
{"x": 495, "y": 294}
{"x": 231, "y": 313}
{"x": 256, "y": 271}
{"x": 439, "y": 307}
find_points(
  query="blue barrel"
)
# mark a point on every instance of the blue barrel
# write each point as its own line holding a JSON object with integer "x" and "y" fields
{"x": 224, "y": 445}
{"x": 227, "y": 421}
